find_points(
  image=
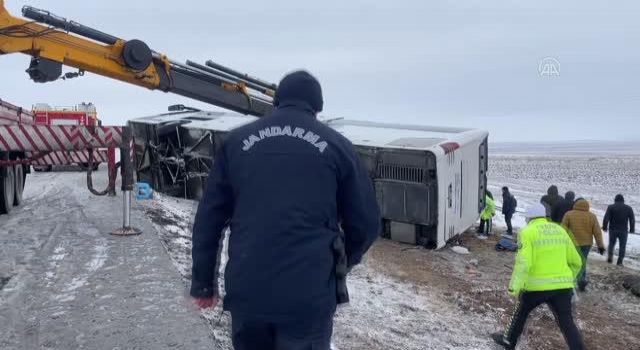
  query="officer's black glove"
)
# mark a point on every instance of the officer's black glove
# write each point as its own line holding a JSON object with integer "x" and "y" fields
{"x": 601, "y": 250}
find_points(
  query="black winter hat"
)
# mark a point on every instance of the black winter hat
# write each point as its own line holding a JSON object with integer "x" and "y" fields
{"x": 619, "y": 198}
{"x": 299, "y": 86}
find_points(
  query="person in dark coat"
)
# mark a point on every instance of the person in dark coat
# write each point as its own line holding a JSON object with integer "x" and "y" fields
{"x": 619, "y": 220}
{"x": 562, "y": 207}
{"x": 301, "y": 210}
{"x": 509, "y": 204}
{"x": 551, "y": 199}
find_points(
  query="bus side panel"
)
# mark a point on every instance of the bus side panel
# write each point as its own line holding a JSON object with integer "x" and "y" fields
{"x": 446, "y": 183}
{"x": 462, "y": 183}
{"x": 471, "y": 184}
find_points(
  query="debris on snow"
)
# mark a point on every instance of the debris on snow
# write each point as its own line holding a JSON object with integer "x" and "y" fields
{"x": 460, "y": 250}
{"x": 632, "y": 283}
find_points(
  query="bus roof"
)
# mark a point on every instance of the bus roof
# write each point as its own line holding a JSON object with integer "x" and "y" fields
{"x": 406, "y": 136}
{"x": 362, "y": 133}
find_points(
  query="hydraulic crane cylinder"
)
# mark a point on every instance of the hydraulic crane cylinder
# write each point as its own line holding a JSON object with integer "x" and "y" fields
{"x": 47, "y": 17}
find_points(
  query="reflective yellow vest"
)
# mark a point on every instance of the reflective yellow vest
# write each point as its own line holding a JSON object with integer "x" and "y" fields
{"x": 489, "y": 209}
{"x": 547, "y": 259}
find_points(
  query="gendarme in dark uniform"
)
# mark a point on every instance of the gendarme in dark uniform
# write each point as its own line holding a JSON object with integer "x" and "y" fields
{"x": 286, "y": 185}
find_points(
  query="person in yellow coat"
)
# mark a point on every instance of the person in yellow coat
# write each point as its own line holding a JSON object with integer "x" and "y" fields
{"x": 545, "y": 271}
{"x": 486, "y": 215}
{"x": 584, "y": 226}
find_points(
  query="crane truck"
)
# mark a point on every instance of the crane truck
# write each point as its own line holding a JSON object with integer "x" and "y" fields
{"x": 430, "y": 181}
{"x": 53, "y": 42}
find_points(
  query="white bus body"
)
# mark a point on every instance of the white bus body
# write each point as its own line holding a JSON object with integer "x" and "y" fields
{"x": 430, "y": 181}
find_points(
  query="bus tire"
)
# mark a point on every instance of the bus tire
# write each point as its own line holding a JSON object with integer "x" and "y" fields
{"x": 7, "y": 188}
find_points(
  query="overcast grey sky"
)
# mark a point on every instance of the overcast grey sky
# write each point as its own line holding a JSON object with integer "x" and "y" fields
{"x": 454, "y": 63}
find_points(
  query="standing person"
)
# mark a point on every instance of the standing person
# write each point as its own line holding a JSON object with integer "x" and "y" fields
{"x": 509, "y": 204}
{"x": 620, "y": 220}
{"x": 562, "y": 207}
{"x": 487, "y": 214}
{"x": 545, "y": 271}
{"x": 286, "y": 185}
{"x": 551, "y": 199}
{"x": 584, "y": 226}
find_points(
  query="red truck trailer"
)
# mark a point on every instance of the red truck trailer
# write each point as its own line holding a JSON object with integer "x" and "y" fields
{"x": 12, "y": 176}
{"x": 81, "y": 114}
{"x": 43, "y": 138}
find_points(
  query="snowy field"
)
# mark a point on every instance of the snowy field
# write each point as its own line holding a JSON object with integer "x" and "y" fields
{"x": 594, "y": 171}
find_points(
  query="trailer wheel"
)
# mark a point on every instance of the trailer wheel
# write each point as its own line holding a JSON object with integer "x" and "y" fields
{"x": 7, "y": 187}
{"x": 20, "y": 178}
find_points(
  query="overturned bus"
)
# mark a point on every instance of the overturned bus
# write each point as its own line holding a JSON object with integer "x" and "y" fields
{"x": 430, "y": 181}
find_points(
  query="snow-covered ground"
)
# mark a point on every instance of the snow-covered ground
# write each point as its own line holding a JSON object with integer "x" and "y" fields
{"x": 384, "y": 313}
{"x": 597, "y": 178}
{"x": 65, "y": 283}
{"x": 403, "y": 297}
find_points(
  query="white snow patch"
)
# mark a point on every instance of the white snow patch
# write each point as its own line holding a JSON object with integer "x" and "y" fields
{"x": 460, "y": 250}
{"x": 64, "y": 298}
{"x": 172, "y": 228}
{"x": 75, "y": 284}
{"x": 99, "y": 258}
{"x": 57, "y": 314}
{"x": 58, "y": 257}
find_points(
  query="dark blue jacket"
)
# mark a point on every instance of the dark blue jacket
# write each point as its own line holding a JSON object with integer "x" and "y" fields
{"x": 509, "y": 204}
{"x": 285, "y": 185}
{"x": 619, "y": 218}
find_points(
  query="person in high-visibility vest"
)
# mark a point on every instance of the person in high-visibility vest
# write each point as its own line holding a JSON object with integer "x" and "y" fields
{"x": 488, "y": 212}
{"x": 545, "y": 271}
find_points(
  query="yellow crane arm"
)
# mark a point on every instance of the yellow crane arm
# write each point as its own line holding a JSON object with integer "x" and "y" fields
{"x": 53, "y": 41}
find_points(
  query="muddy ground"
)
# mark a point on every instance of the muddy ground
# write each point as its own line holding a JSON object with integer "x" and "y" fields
{"x": 405, "y": 297}
{"x": 607, "y": 314}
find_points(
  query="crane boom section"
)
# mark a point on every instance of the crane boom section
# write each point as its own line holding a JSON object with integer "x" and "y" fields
{"x": 53, "y": 41}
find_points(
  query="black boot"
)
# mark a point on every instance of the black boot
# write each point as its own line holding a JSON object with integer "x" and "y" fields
{"x": 498, "y": 338}
{"x": 582, "y": 286}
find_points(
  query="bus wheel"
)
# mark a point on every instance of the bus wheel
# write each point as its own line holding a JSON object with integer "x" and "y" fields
{"x": 19, "y": 177}
{"x": 7, "y": 187}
